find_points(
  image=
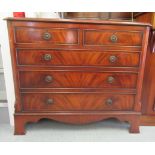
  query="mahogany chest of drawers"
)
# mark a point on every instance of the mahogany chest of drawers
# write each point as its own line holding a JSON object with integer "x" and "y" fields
{"x": 77, "y": 71}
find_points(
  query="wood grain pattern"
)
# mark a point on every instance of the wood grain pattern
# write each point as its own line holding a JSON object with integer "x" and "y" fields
{"x": 102, "y": 37}
{"x": 75, "y": 102}
{"x": 58, "y": 35}
{"x": 79, "y": 78}
{"x": 114, "y": 27}
{"x": 77, "y": 58}
{"x": 73, "y": 79}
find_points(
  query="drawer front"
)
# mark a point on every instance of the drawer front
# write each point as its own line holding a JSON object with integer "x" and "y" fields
{"x": 75, "y": 102}
{"x": 112, "y": 38}
{"x": 75, "y": 79}
{"x": 77, "y": 58}
{"x": 58, "y": 36}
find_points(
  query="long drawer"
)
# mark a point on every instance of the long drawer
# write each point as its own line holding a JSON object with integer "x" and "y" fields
{"x": 76, "y": 102}
{"x": 77, "y": 58}
{"x": 76, "y": 79}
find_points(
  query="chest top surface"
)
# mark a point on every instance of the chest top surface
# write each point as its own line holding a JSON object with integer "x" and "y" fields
{"x": 57, "y": 20}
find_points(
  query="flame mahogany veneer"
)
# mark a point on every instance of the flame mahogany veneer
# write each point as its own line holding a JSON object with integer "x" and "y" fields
{"x": 77, "y": 71}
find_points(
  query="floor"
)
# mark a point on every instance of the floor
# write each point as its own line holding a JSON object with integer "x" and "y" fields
{"x": 51, "y": 131}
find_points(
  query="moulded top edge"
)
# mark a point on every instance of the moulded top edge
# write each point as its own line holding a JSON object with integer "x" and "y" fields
{"x": 91, "y": 21}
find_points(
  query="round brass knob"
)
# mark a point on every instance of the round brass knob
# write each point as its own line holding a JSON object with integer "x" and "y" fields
{"x": 47, "y": 36}
{"x": 110, "y": 79}
{"x": 112, "y": 58}
{"x": 48, "y": 78}
{"x": 109, "y": 101}
{"x": 113, "y": 38}
{"x": 49, "y": 101}
{"x": 47, "y": 57}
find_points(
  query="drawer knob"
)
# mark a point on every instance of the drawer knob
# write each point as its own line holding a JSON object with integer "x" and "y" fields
{"x": 110, "y": 79}
{"x": 49, "y": 101}
{"x": 109, "y": 101}
{"x": 113, "y": 59}
{"x": 48, "y": 78}
{"x": 113, "y": 38}
{"x": 47, "y": 57}
{"x": 47, "y": 36}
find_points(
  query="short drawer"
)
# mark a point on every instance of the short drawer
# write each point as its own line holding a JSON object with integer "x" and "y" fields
{"x": 63, "y": 36}
{"x": 112, "y": 38}
{"x": 76, "y": 102}
{"x": 76, "y": 79}
{"x": 77, "y": 58}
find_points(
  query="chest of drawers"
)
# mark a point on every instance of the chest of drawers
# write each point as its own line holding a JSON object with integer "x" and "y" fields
{"x": 77, "y": 71}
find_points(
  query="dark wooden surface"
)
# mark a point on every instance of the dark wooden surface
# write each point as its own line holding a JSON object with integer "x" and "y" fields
{"x": 78, "y": 57}
{"x": 78, "y": 70}
{"x": 58, "y": 20}
{"x": 102, "y": 37}
{"x": 58, "y": 35}
{"x": 148, "y": 102}
{"x": 76, "y": 79}
{"x": 76, "y": 102}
